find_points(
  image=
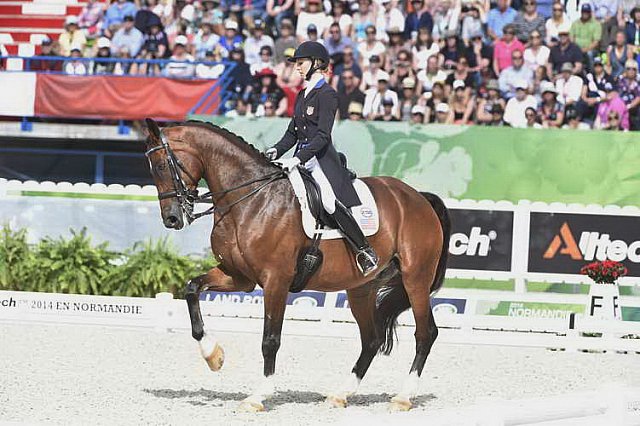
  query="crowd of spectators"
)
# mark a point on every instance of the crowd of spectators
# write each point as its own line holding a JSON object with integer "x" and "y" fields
{"x": 521, "y": 63}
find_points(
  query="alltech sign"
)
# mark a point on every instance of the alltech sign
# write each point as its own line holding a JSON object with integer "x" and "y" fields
{"x": 564, "y": 242}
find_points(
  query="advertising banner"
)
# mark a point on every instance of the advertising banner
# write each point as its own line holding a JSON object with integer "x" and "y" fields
{"x": 481, "y": 240}
{"x": 563, "y": 242}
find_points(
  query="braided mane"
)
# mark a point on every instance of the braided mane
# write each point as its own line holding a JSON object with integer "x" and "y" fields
{"x": 228, "y": 135}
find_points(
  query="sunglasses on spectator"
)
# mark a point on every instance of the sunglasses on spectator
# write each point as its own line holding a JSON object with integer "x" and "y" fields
{"x": 347, "y": 77}
{"x": 370, "y": 32}
{"x": 613, "y": 117}
{"x": 268, "y": 107}
{"x": 631, "y": 68}
{"x": 530, "y": 3}
{"x": 510, "y": 32}
{"x": 535, "y": 36}
{"x": 335, "y": 31}
{"x": 516, "y": 58}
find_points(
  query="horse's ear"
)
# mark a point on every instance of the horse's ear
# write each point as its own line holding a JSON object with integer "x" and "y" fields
{"x": 154, "y": 130}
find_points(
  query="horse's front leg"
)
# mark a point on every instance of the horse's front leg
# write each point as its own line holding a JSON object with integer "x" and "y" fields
{"x": 214, "y": 280}
{"x": 275, "y": 301}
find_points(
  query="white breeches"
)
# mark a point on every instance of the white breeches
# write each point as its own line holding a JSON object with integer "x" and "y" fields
{"x": 328, "y": 197}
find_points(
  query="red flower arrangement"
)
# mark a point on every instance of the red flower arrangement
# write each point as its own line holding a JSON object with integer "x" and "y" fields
{"x": 605, "y": 272}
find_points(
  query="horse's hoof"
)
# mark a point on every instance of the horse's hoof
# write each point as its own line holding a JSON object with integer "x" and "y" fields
{"x": 336, "y": 401}
{"x": 212, "y": 352}
{"x": 251, "y": 406}
{"x": 399, "y": 403}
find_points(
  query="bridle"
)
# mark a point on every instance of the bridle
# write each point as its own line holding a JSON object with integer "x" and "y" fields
{"x": 189, "y": 197}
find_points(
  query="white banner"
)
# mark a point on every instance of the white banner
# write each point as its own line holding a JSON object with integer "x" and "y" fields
{"x": 18, "y": 93}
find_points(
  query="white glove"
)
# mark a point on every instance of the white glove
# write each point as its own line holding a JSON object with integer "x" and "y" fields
{"x": 288, "y": 163}
{"x": 271, "y": 153}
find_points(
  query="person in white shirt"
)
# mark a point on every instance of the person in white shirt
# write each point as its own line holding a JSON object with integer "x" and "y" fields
{"x": 569, "y": 86}
{"x": 537, "y": 54}
{"x": 374, "y": 97}
{"x": 514, "y": 74}
{"x": 371, "y": 46}
{"x": 313, "y": 14}
{"x": 514, "y": 113}
{"x": 446, "y": 18}
{"x": 75, "y": 66}
{"x": 427, "y": 77}
{"x": 389, "y": 17}
{"x": 254, "y": 43}
{"x": 211, "y": 71}
{"x": 180, "y": 69}
{"x": 553, "y": 24}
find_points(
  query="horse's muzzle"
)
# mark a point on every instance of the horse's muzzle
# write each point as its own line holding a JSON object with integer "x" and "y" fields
{"x": 172, "y": 218}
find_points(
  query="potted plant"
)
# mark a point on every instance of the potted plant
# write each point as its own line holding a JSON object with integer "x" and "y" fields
{"x": 604, "y": 295}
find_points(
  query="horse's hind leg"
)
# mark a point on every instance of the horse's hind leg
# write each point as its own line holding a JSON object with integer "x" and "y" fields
{"x": 362, "y": 307}
{"x": 214, "y": 280}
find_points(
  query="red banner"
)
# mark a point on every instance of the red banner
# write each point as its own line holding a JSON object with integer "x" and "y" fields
{"x": 115, "y": 97}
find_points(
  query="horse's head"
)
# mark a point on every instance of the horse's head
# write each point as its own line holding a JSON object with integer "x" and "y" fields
{"x": 175, "y": 170}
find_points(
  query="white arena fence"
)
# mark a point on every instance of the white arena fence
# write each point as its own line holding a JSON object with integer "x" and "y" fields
{"x": 307, "y": 317}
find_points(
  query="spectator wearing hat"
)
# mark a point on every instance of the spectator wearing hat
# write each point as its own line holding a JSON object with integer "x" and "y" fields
{"x": 103, "y": 46}
{"x": 371, "y": 73}
{"x": 461, "y": 104}
{"x": 210, "y": 70}
{"x": 115, "y": 14}
{"x": 253, "y": 11}
{"x": 231, "y": 37}
{"x": 516, "y": 73}
{"x": 420, "y": 18}
{"x": 347, "y": 63}
{"x": 611, "y": 104}
{"x": 336, "y": 42}
{"x": 210, "y": 13}
{"x": 181, "y": 69}
{"x": 618, "y": 53}
{"x": 355, "y": 111}
{"x": 632, "y": 28}
{"x": 532, "y": 119}
{"x": 47, "y": 48}
{"x": 471, "y": 24}
{"x": 278, "y": 10}
{"x": 146, "y": 17}
{"x": 593, "y": 89}
{"x": 430, "y": 75}
{"x": 205, "y": 40}
{"x": 550, "y": 111}
{"x": 586, "y": 32}
{"x": 127, "y": 36}
{"x": 568, "y": 85}
{"x": 529, "y": 20}
{"x": 395, "y": 45}
{"x": 408, "y": 98}
{"x": 442, "y": 112}
{"x": 387, "y": 111}
{"x": 557, "y": 20}
{"x": 497, "y": 116}
{"x": 498, "y": 18}
{"x": 350, "y": 93}
{"x": 75, "y": 66}
{"x": 488, "y": 101}
{"x": 72, "y": 36}
{"x": 463, "y": 73}
{"x": 242, "y": 81}
{"x": 374, "y": 97}
{"x": 446, "y": 18}
{"x": 370, "y": 47}
{"x": 364, "y": 18}
{"x": 286, "y": 40}
{"x": 504, "y": 48}
{"x": 628, "y": 88}
{"x": 574, "y": 120}
{"x": 564, "y": 51}
{"x": 516, "y": 106}
{"x": 483, "y": 55}
{"x": 255, "y": 42}
{"x": 312, "y": 34}
{"x": 390, "y": 20}
{"x": 90, "y": 18}
{"x": 418, "y": 114}
{"x": 266, "y": 89}
{"x": 340, "y": 16}
{"x": 423, "y": 48}
{"x": 537, "y": 54}
{"x": 313, "y": 14}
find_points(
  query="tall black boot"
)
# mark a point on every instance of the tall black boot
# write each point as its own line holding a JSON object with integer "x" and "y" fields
{"x": 366, "y": 257}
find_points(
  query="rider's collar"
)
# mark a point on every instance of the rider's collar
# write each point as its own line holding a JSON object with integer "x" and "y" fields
{"x": 314, "y": 82}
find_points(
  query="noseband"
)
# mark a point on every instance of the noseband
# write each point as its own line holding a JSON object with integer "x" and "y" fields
{"x": 188, "y": 197}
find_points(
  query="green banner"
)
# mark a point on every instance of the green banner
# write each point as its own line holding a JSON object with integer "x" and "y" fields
{"x": 481, "y": 163}
{"x": 528, "y": 309}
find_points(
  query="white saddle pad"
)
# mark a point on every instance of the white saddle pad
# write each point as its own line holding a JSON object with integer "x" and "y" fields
{"x": 365, "y": 214}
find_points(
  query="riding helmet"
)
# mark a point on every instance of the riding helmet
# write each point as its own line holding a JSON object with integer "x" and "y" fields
{"x": 311, "y": 50}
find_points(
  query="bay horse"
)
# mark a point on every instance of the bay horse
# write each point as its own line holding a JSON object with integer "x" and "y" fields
{"x": 257, "y": 235}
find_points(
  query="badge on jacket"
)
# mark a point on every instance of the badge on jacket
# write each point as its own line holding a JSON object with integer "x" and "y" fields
{"x": 310, "y": 110}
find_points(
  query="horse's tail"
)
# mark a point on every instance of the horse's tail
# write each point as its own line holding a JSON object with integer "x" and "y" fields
{"x": 445, "y": 222}
{"x": 392, "y": 298}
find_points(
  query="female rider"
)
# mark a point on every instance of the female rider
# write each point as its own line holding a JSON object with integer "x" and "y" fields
{"x": 310, "y": 132}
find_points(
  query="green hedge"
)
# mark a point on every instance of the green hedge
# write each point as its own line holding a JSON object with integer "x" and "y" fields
{"x": 76, "y": 265}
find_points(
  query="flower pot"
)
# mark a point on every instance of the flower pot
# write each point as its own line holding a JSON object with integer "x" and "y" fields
{"x": 604, "y": 301}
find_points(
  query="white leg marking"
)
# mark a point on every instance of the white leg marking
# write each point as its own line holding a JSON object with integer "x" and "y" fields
{"x": 409, "y": 386}
{"x": 348, "y": 388}
{"x": 264, "y": 390}
{"x": 207, "y": 345}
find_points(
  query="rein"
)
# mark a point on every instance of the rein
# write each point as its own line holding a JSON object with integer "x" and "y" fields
{"x": 188, "y": 198}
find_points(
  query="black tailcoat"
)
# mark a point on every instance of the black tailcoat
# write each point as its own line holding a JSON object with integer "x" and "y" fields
{"x": 310, "y": 130}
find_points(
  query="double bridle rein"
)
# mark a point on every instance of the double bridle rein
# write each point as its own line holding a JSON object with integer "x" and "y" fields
{"x": 189, "y": 197}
